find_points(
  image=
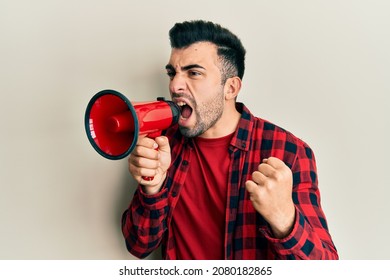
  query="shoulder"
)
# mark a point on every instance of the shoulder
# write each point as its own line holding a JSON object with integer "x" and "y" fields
{"x": 274, "y": 140}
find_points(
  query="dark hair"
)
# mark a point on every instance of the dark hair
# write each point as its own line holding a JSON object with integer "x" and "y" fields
{"x": 229, "y": 46}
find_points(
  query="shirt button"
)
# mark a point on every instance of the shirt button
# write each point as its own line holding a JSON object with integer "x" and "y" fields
{"x": 185, "y": 163}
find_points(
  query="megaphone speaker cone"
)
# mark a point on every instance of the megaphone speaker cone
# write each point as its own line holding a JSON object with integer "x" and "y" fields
{"x": 111, "y": 124}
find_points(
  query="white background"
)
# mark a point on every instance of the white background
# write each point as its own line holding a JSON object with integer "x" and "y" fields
{"x": 320, "y": 69}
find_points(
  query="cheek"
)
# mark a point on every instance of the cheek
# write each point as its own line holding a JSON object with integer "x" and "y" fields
{"x": 211, "y": 105}
{"x": 205, "y": 90}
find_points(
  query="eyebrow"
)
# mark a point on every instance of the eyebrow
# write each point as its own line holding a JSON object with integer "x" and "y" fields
{"x": 184, "y": 68}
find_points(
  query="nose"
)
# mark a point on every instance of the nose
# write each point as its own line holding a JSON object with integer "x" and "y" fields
{"x": 177, "y": 84}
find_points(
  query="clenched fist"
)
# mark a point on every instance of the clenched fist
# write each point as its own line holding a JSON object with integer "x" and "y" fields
{"x": 150, "y": 158}
{"x": 270, "y": 191}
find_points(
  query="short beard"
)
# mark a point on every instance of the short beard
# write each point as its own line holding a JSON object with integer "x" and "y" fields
{"x": 211, "y": 113}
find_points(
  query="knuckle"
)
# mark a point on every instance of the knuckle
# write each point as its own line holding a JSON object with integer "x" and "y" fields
{"x": 278, "y": 176}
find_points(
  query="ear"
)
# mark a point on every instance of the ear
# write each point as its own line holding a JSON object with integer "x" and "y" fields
{"x": 232, "y": 87}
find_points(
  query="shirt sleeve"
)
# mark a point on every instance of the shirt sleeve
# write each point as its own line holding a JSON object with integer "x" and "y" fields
{"x": 309, "y": 238}
{"x": 144, "y": 222}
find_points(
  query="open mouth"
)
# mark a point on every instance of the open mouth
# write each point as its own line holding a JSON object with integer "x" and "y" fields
{"x": 185, "y": 110}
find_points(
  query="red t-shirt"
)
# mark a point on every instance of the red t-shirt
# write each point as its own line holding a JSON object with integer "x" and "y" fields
{"x": 198, "y": 222}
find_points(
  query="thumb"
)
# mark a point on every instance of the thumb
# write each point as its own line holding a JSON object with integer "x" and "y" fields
{"x": 163, "y": 144}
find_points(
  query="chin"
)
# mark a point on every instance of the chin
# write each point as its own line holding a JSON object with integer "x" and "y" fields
{"x": 190, "y": 133}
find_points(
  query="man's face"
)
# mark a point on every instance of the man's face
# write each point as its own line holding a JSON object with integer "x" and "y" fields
{"x": 195, "y": 85}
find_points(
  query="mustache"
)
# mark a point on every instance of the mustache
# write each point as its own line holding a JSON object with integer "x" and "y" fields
{"x": 178, "y": 95}
{"x": 188, "y": 97}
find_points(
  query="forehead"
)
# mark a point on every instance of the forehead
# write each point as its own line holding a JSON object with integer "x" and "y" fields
{"x": 202, "y": 53}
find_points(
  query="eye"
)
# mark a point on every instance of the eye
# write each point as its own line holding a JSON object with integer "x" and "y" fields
{"x": 194, "y": 73}
{"x": 171, "y": 74}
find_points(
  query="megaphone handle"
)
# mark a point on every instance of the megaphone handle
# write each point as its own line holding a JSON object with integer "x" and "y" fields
{"x": 147, "y": 178}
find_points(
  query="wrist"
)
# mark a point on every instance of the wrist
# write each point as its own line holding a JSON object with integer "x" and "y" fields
{"x": 284, "y": 226}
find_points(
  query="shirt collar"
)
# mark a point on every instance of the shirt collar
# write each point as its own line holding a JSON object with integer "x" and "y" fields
{"x": 242, "y": 137}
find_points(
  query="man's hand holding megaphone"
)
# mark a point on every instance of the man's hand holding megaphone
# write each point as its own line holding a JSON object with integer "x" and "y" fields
{"x": 150, "y": 158}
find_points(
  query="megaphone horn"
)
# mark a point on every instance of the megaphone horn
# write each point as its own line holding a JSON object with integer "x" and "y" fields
{"x": 113, "y": 123}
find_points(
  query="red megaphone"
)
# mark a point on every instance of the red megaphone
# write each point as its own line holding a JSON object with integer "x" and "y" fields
{"x": 113, "y": 123}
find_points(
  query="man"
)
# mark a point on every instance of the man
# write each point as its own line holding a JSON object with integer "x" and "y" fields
{"x": 226, "y": 184}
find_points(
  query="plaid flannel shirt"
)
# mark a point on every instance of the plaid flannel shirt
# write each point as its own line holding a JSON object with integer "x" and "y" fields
{"x": 146, "y": 223}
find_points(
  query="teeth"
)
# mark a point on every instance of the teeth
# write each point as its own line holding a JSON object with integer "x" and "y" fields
{"x": 181, "y": 103}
